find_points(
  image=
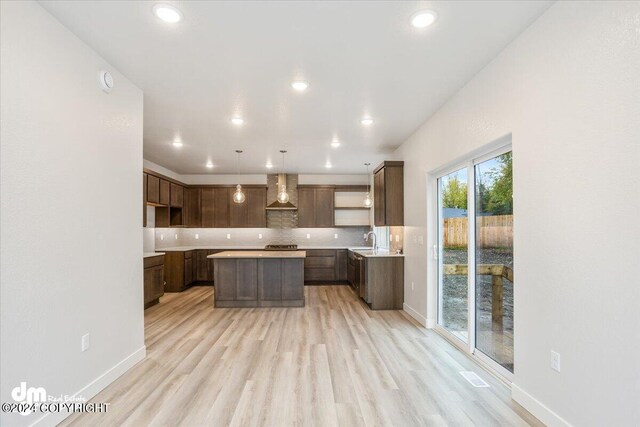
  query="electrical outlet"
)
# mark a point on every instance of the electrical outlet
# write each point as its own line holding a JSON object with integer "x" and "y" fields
{"x": 555, "y": 361}
{"x": 420, "y": 240}
{"x": 308, "y": 236}
{"x": 397, "y": 237}
{"x": 412, "y": 287}
{"x": 86, "y": 342}
{"x": 197, "y": 236}
{"x": 162, "y": 237}
{"x": 260, "y": 236}
{"x": 335, "y": 236}
{"x": 176, "y": 236}
{"x": 228, "y": 236}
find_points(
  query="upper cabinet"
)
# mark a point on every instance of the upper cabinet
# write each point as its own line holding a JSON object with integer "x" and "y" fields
{"x": 315, "y": 206}
{"x": 177, "y": 195}
{"x": 388, "y": 194}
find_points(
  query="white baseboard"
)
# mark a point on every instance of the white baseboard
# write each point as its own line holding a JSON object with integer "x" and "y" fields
{"x": 96, "y": 386}
{"x": 537, "y": 408}
{"x": 415, "y": 315}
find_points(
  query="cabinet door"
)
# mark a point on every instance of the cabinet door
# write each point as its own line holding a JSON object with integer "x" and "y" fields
{"x": 153, "y": 189}
{"x": 238, "y": 212}
{"x": 202, "y": 266}
{"x": 177, "y": 195}
{"x": 379, "y": 199}
{"x": 247, "y": 284}
{"x": 324, "y": 207}
{"x": 292, "y": 279}
{"x": 153, "y": 283}
{"x": 206, "y": 207}
{"x": 341, "y": 264}
{"x": 226, "y": 278}
{"x": 270, "y": 279}
{"x": 256, "y": 207}
{"x": 191, "y": 207}
{"x": 393, "y": 196}
{"x": 221, "y": 207}
{"x": 165, "y": 190}
{"x": 144, "y": 199}
{"x": 306, "y": 208}
{"x": 188, "y": 270}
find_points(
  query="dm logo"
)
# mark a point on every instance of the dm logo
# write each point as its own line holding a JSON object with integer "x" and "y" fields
{"x": 28, "y": 395}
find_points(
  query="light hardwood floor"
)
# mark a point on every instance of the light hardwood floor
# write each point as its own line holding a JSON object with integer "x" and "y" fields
{"x": 333, "y": 363}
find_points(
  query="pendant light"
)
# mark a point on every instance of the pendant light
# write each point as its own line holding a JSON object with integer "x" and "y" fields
{"x": 283, "y": 196}
{"x": 368, "y": 201}
{"x": 238, "y": 196}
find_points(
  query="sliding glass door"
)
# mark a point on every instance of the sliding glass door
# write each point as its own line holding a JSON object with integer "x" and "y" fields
{"x": 475, "y": 257}
{"x": 453, "y": 259}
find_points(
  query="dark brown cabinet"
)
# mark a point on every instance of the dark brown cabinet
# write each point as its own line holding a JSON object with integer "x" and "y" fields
{"x": 165, "y": 191}
{"x": 381, "y": 282}
{"x": 221, "y": 200}
{"x": 325, "y": 265}
{"x": 315, "y": 207}
{"x": 153, "y": 280}
{"x": 256, "y": 207}
{"x": 206, "y": 207}
{"x": 388, "y": 190}
{"x": 251, "y": 282}
{"x": 192, "y": 210}
{"x": 177, "y": 195}
{"x": 204, "y": 265}
{"x": 153, "y": 189}
{"x": 179, "y": 270}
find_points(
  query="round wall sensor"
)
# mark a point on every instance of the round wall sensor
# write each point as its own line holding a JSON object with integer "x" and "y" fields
{"x": 106, "y": 81}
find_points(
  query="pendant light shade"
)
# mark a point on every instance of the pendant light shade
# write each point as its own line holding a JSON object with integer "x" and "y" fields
{"x": 283, "y": 196}
{"x": 368, "y": 201}
{"x": 238, "y": 196}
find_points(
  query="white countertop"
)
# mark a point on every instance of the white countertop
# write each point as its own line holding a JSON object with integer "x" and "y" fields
{"x": 254, "y": 248}
{"x": 259, "y": 254}
{"x": 151, "y": 254}
{"x": 380, "y": 253}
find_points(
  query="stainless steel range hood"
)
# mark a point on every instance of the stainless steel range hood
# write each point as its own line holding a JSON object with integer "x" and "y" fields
{"x": 278, "y": 206}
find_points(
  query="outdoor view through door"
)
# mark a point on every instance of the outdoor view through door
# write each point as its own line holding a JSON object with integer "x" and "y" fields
{"x": 488, "y": 242}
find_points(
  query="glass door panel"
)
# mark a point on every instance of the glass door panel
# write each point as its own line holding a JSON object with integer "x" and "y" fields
{"x": 452, "y": 254}
{"x": 494, "y": 259}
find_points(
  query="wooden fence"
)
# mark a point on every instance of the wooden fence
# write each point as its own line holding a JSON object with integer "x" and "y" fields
{"x": 492, "y": 231}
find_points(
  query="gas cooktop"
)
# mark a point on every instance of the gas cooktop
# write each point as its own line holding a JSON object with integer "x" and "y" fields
{"x": 281, "y": 248}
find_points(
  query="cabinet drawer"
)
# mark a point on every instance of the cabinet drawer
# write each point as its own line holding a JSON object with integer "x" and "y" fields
{"x": 313, "y": 274}
{"x": 320, "y": 261}
{"x": 321, "y": 252}
{"x": 153, "y": 261}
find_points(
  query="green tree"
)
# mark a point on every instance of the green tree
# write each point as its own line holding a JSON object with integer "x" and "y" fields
{"x": 454, "y": 194}
{"x": 500, "y": 195}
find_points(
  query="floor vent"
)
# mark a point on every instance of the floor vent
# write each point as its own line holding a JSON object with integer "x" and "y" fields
{"x": 474, "y": 379}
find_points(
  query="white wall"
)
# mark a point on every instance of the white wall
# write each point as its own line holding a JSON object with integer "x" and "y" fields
{"x": 71, "y": 258}
{"x": 568, "y": 90}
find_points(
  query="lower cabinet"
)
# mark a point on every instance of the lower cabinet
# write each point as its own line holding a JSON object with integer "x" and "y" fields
{"x": 381, "y": 282}
{"x": 153, "y": 280}
{"x": 325, "y": 265}
{"x": 179, "y": 270}
{"x": 259, "y": 282}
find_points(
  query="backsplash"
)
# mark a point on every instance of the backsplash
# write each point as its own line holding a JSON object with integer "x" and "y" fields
{"x": 243, "y": 237}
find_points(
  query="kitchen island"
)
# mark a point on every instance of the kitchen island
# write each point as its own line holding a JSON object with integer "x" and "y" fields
{"x": 259, "y": 278}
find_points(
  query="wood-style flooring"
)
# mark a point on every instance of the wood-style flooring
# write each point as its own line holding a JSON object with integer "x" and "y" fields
{"x": 332, "y": 363}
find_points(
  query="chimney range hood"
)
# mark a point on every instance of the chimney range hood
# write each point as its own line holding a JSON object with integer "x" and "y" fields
{"x": 278, "y": 206}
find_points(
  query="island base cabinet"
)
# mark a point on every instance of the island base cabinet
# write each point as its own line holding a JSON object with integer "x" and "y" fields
{"x": 259, "y": 282}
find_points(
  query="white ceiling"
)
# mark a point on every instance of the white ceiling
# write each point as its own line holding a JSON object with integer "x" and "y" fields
{"x": 226, "y": 58}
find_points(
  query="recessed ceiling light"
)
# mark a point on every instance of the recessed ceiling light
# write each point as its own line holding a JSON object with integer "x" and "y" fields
{"x": 423, "y": 18}
{"x": 335, "y": 143}
{"x": 167, "y": 13}
{"x": 367, "y": 121}
{"x": 268, "y": 166}
{"x": 237, "y": 121}
{"x": 328, "y": 165}
{"x": 177, "y": 143}
{"x": 300, "y": 85}
{"x": 209, "y": 165}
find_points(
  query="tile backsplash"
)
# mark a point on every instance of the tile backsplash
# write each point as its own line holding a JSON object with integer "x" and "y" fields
{"x": 259, "y": 237}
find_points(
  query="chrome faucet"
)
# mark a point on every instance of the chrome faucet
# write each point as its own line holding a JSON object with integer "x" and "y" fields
{"x": 375, "y": 241}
